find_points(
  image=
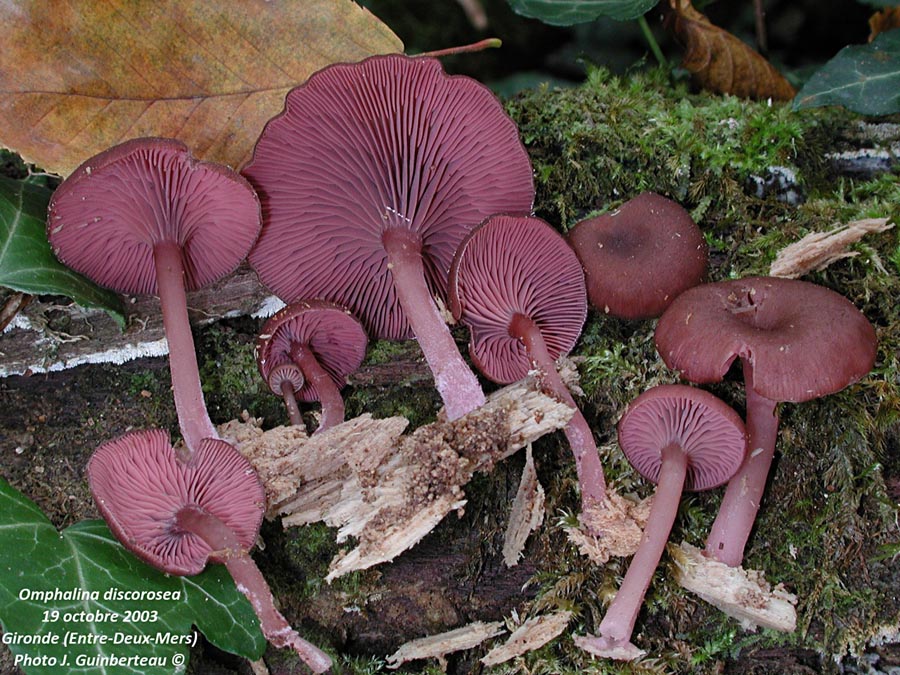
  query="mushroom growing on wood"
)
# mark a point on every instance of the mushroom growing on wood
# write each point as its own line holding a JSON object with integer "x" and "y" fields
{"x": 369, "y": 180}
{"x": 519, "y": 287}
{"x": 177, "y": 516}
{"x": 145, "y": 217}
{"x": 638, "y": 258}
{"x": 680, "y": 438}
{"x": 317, "y": 344}
{"x": 796, "y": 341}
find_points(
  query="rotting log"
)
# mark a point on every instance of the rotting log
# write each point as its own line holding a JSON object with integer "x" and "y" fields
{"x": 48, "y": 337}
{"x": 386, "y": 489}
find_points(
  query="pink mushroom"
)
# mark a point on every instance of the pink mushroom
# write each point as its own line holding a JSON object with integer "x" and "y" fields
{"x": 796, "y": 341}
{"x": 680, "y": 438}
{"x": 145, "y": 217}
{"x": 519, "y": 288}
{"x": 177, "y": 516}
{"x": 638, "y": 258}
{"x": 322, "y": 343}
{"x": 369, "y": 180}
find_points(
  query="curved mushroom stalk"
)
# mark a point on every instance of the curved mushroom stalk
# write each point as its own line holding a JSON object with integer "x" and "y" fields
{"x": 178, "y": 515}
{"x": 329, "y": 395}
{"x": 579, "y": 434}
{"x": 682, "y": 438}
{"x": 228, "y": 550}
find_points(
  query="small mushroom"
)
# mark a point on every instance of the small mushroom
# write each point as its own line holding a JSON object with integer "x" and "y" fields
{"x": 796, "y": 340}
{"x": 177, "y": 516}
{"x": 519, "y": 288}
{"x": 638, "y": 258}
{"x": 681, "y": 438}
{"x": 369, "y": 180}
{"x": 145, "y": 217}
{"x": 285, "y": 381}
{"x": 306, "y": 350}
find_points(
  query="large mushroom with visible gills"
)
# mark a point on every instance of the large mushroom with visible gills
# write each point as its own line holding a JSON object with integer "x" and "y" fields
{"x": 177, "y": 516}
{"x": 145, "y": 217}
{"x": 306, "y": 350}
{"x": 519, "y": 287}
{"x": 680, "y": 438}
{"x": 369, "y": 179}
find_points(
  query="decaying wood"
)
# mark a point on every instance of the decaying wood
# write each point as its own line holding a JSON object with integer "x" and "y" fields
{"x": 742, "y": 594}
{"x": 620, "y": 519}
{"x": 386, "y": 489}
{"x": 533, "y": 634}
{"x": 818, "y": 250}
{"x": 527, "y": 512}
{"x": 31, "y": 343}
{"x": 438, "y": 646}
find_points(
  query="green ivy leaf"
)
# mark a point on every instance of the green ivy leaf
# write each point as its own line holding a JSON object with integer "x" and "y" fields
{"x": 568, "y": 12}
{"x": 27, "y": 263}
{"x": 88, "y": 563}
{"x": 862, "y": 78}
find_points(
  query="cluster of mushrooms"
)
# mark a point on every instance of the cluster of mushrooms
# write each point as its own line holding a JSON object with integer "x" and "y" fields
{"x": 384, "y": 196}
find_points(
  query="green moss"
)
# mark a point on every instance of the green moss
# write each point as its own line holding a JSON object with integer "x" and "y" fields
{"x": 827, "y": 528}
{"x": 598, "y": 144}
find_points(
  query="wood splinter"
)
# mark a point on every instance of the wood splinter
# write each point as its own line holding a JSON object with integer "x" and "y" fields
{"x": 386, "y": 489}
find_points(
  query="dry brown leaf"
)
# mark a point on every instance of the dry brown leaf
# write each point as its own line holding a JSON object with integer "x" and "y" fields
{"x": 78, "y": 77}
{"x": 883, "y": 21}
{"x": 721, "y": 62}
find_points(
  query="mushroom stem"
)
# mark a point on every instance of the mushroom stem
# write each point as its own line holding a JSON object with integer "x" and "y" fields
{"x": 621, "y": 616}
{"x": 329, "y": 395}
{"x": 577, "y": 431}
{"x": 731, "y": 529}
{"x": 290, "y": 402}
{"x": 193, "y": 419}
{"x": 454, "y": 380}
{"x": 251, "y": 583}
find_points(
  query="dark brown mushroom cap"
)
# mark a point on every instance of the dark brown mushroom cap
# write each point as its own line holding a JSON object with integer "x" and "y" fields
{"x": 801, "y": 340}
{"x": 390, "y": 142}
{"x": 638, "y": 258}
{"x": 105, "y": 219}
{"x": 335, "y": 337}
{"x": 510, "y": 265}
{"x": 709, "y": 431}
{"x": 139, "y": 487}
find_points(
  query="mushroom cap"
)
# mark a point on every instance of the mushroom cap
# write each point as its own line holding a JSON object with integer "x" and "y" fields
{"x": 331, "y": 332}
{"x": 105, "y": 219}
{"x": 139, "y": 487}
{"x": 638, "y": 258}
{"x": 801, "y": 340}
{"x": 389, "y": 142}
{"x": 709, "y": 431}
{"x": 286, "y": 372}
{"x": 512, "y": 265}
